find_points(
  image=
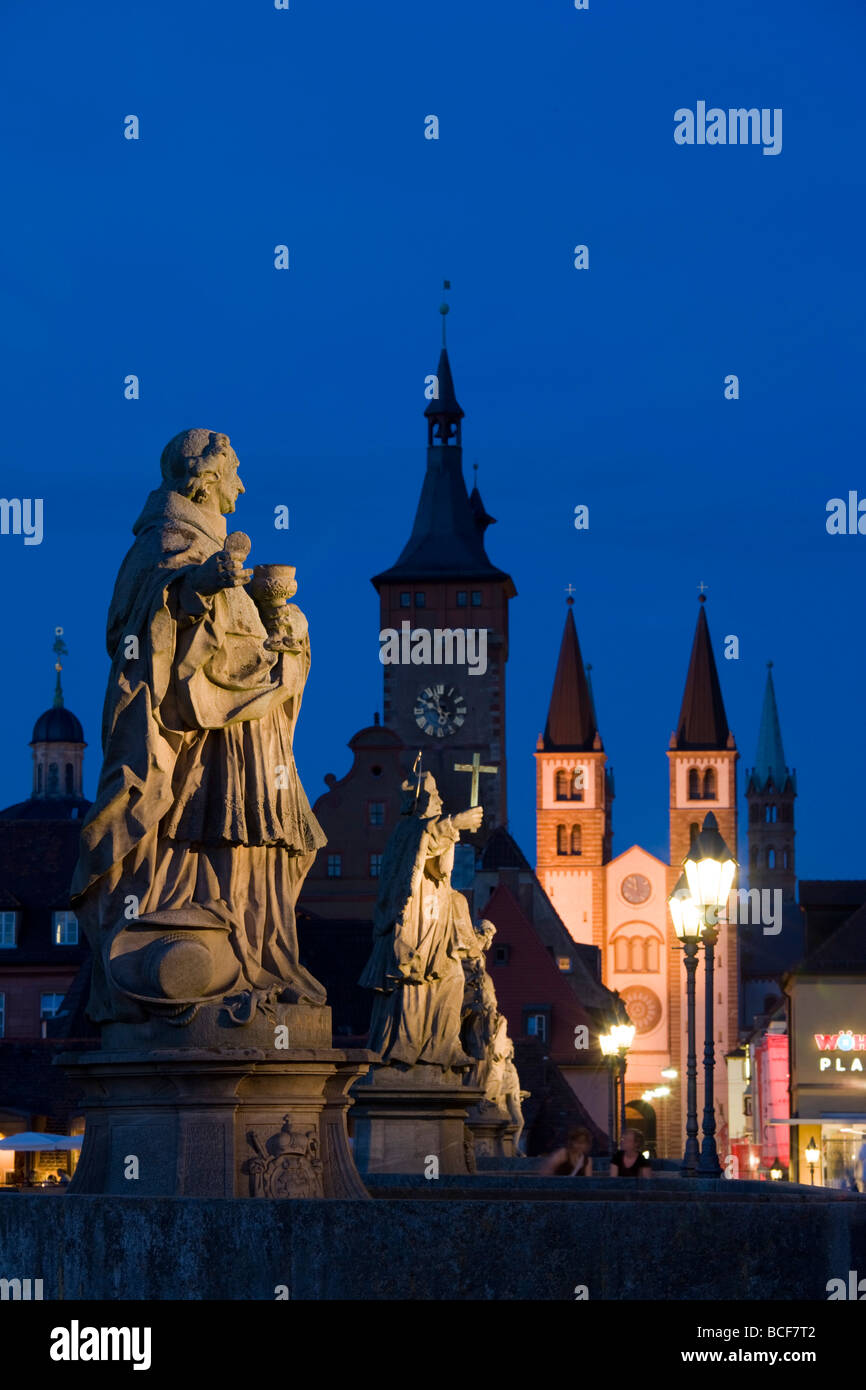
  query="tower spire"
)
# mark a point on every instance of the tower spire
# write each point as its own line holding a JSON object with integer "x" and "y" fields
{"x": 570, "y": 717}
{"x": 60, "y": 650}
{"x": 702, "y": 722}
{"x": 770, "y": 757}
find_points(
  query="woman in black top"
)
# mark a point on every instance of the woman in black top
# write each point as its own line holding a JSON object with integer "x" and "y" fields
{"x": 629, "y": 1162}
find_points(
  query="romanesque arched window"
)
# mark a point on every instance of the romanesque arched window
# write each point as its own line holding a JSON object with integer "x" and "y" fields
{"x": 621, "y": 953}
{"x": 710, "y": 784}
{"x": 562, "y": 780}
{"x": 576, "y": 840}
{"x": 651, "y": 954}
{"x": 771, "y": 859}
{"x": 53, "y": 778}
{"x": 561, "y": 840}
{"x": 694, "y": 784}
{"x": 70, "y": 774}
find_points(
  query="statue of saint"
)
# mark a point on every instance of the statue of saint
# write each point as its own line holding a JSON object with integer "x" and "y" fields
{"x": 200, "y": 823}
{"x": 420, "y": 926}
{"x": 485, "y": 1036}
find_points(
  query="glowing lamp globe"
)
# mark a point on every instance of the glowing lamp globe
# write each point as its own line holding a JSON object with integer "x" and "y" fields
{"x": 710, "y": 869}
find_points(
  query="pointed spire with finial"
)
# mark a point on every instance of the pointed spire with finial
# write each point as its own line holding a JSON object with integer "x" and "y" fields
{"x": 702, "y": 722}
{"x": 443, "y": 412}
{"x": 483, "y": 519}
{"x": 448, "y": 534}
{"x": 59, "y": 649}
{"x": 571, "y": 724}
{"x": 770, "y": 765}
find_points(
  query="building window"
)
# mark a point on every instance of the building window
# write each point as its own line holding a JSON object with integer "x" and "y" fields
{"x": 710, "y": 784}
{"x": 536, "y": 1025}
{"x": 376, "y": 771}
{"x": 576, "y": 840}
{"x": 64, "y": 928}
{"x": 39, "y": 778}
{"x": 786, "y": 862}
{"x": 501, "y": 955}
{"x": 375, "y": 865}
{"x": 335, "y": 866}
{"x": 49, "y": 1005}
{"x": 771, "y": 859}
{"x": 69, "y": 776}
{"x": 476, "y": 598}
{"x": 8, "y": 922}
{"x": 376, "y": 812}
{"x": 561, "y": 840}
{"x": 2, "y": 1015}
{"x": 462, "y": 598}
{"x": 53, "y": 778}
{"x": 405, "y": 600}
{"x": 651, "y": 955}
{"x": 754, "y": 856}
{"x": 621, "y": 953}
{"x": 562, "y": 785}
{"x": 694, "y": 785}
{"x": 420, "y": 600}
{"x": 564, "y": 964}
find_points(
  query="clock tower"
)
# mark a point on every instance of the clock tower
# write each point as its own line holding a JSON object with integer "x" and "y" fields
{"x": 444, "y": 624}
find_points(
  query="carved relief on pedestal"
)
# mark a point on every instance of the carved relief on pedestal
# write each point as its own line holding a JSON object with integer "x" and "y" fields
{"x": 286, "y": 1165}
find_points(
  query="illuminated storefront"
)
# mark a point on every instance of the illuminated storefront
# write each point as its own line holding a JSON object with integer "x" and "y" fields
{"x": 828, "y": 1076}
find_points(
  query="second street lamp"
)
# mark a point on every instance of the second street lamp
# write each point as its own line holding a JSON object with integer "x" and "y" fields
{"x": 710, "y": 869}
{"x": 687, "y": 925}
{"x": 623, "y": 1035}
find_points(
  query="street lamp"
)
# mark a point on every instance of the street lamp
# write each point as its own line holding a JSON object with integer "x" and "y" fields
{"x": 776, "y": 1173}
{"x": 813, "y": 1154}
{"x": 623, "y": 1033}
{"x": 607, "y": 1043}
{"x": 687, "y": 925}
{"x": 710, "y": 869}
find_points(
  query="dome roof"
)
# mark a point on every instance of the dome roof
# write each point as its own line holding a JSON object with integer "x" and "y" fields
{"x": 57, "y": 725}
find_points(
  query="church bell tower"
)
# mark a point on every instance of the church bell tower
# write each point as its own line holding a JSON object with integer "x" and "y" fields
{"x": 444, "y": 625}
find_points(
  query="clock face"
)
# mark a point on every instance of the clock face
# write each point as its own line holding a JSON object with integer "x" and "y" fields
{"x": 439, "y": 710}
{"x": 635, "y": 888}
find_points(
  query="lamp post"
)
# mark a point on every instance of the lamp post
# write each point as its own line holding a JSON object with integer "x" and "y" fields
{"x": 623, "y": 1034}
{"x": 813, "y": 1154}
{"x": 710, "y": 870}
{"x": 607, "y": 1043}
{"x": 687, "y": 925}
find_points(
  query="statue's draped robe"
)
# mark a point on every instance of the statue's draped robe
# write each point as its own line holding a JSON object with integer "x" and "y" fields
{"x": 199, "y": 801}
{"x": 415, "y": 966}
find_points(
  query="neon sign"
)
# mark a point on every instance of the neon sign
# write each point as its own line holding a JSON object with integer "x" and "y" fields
{"x": 845, "y": 1041}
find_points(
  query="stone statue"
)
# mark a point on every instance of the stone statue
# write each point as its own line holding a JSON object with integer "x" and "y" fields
{"x": 200, "y": 836}
{"x": 420, "y": 927}
{"x": 484, "y": 1033}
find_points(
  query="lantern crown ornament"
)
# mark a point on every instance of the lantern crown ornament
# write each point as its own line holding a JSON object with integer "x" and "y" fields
{"x": 710, "y": 868}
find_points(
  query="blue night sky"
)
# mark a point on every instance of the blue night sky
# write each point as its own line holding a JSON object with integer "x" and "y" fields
{"x": 603, "y": 387}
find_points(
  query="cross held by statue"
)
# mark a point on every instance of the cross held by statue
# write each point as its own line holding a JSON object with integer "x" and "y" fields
{"x": 476, "y": 767}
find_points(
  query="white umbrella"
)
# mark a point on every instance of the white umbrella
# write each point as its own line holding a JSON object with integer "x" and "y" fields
{"x": 32, "y": 1142}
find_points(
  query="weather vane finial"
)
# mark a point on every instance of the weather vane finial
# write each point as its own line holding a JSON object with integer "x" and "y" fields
{"x": 60, "y": 649}
{"x": 444, "y": 308}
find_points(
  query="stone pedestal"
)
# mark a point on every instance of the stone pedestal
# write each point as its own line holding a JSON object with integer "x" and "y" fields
{"x": 403, "y": 1117}
{"x": 211, "y": 1110}
{"x": 488, "y": 1125}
